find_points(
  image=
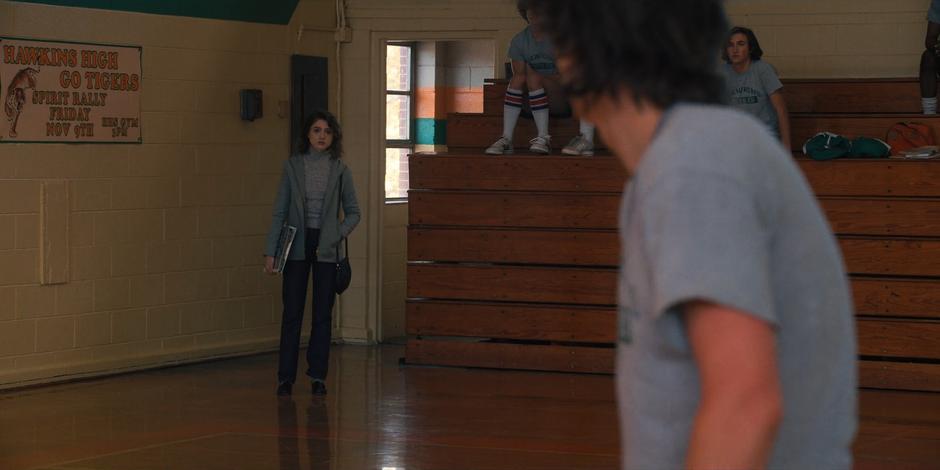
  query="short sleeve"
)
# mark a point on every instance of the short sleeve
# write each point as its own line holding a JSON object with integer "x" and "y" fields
{"x": 705, "y": 238}
{"x": 516, "y": 48}
{"x": 769, "y": 79}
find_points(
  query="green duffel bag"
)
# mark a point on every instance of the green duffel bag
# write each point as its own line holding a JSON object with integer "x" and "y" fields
{"x": 867, "y": 147}
{"x": 826, "y": 146}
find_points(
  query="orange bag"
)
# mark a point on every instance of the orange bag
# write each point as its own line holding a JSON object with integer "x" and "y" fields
{"x": 908, "y": 135}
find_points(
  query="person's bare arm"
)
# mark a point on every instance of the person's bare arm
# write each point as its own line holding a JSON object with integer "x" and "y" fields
{"x": 741, "y": 402}
{"x": 783, "y": 117}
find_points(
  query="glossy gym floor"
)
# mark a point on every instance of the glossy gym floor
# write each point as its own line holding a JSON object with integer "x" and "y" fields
{"x": 376, "y": 415}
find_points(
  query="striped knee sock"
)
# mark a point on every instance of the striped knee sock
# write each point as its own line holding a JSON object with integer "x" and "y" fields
{"x": 512, "y": 106}
{"x": 929, "y": 105}
{"x": 538, "y": 101}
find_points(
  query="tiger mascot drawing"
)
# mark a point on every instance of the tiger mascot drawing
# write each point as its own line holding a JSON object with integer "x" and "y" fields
{"x": 16, "y": 95}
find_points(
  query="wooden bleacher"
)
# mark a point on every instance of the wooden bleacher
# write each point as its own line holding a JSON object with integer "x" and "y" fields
{"x": 513, "y": 260}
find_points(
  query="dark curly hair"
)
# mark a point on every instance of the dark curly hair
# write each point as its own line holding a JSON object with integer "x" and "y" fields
{"x": 663, "y": 51}
{"x": 336, "y": 148}
{"x": 753, "y": 46}
{"x": 523, "y": 6}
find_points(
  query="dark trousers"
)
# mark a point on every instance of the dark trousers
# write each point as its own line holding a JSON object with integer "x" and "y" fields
{"x": 294, "y": 294}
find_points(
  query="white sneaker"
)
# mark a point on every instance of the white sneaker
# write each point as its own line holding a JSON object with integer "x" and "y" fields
{"x": 541, "y": 144}
{"x": 579, "y": 146}
{"x": 503, "y": 146}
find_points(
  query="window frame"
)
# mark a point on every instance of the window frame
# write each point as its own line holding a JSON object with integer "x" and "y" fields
{"x": 411, "y": 93}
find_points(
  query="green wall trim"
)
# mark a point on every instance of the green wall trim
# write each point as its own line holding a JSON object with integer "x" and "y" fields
{"x": 255, "y": 11}
{"x": 431, "y": 131}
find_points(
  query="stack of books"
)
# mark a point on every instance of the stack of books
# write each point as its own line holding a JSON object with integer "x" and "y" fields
{"x": 283, "y": 247}
{"x": 921, "y": 153}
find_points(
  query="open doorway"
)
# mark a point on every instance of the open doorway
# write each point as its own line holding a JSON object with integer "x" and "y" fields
{"x": 425, "y": 81}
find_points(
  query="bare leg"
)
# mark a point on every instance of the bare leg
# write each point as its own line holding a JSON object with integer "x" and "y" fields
{"x": 512, "y": 108}
{"x": 928, "y": 62}
{"x": 518, "y": 80}
{"x": 533, "y": 79}
{"x": 538, "y": 101}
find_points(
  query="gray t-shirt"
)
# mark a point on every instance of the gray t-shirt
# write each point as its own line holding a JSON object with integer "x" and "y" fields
{"x": 750, "y": 92}
{"x": 316, "y": 175}
{"x": 718, "y": 211}
{"x": 538, "y": 54}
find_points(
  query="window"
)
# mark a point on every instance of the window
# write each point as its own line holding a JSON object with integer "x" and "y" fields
{"x": 399, "y": 118}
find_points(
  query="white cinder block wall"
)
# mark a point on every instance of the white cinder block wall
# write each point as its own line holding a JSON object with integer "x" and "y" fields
{"x": 837, "y": 38}
{"x": 165, "y": 237}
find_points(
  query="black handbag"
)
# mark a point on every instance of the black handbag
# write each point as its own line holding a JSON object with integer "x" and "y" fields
{"x": 343, "y": 269}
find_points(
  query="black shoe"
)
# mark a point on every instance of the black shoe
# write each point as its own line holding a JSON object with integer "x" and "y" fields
{"x": 284, "y": 389}
{"x": 318, "y": 387}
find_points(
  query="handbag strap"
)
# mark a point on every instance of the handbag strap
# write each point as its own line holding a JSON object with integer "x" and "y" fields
{"x": 339, "y": 201}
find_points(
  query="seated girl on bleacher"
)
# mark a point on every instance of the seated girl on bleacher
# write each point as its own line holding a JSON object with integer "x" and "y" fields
{"x": 533, "y": 66}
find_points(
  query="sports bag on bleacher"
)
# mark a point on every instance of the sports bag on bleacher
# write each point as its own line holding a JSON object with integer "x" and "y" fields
{"x": 829, "y": 146}
{"x": 904, "y": 136}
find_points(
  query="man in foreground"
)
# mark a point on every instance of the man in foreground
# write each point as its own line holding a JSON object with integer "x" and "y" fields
{"x": 736, "y": 334}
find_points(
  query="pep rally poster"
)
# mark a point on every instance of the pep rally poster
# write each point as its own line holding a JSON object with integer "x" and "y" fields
{"x": 69, "y": 92}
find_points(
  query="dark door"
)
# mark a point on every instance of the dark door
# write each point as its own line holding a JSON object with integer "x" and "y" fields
{"x": 309, "y": 90}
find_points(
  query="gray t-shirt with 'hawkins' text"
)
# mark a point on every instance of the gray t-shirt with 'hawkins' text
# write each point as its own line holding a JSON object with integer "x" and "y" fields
{"x": 537, "y": 54}
{"x": 750, "y": 92}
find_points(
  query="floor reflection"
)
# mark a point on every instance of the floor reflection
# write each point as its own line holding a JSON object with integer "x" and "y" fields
{"x": 313, "y": 437}
{"x": 224, "y": 415}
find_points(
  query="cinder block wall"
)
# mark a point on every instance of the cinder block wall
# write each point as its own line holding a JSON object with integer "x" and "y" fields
{"x": 466, "y": 64}
{"x": 837, "y": 38}
{"x": 164, "y": 238}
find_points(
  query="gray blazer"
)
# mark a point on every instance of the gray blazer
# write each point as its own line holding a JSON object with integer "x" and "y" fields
{"x": 289, "y": 207}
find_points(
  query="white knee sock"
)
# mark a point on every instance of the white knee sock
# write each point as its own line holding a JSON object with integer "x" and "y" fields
{"x": 587, "y": 130}
{"x": 512, "y": 106}
{"x": 538, "y": 101}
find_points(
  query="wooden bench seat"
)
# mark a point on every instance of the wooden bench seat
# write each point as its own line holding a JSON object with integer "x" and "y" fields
{"x": 580, "y": 324}
{"x": 898, "y": 217}
{"x": 542, "y": 173}
{"x": 556, "y": 173}
{"x": 872, "y": 373}
{"x": 874, "y": 296}
{"x": 511, "y": 356}
{"x": 877, "y": 338}
{"x": 577, "y": 247}
{"x": 513, "y": 259}
{"x": 860, "y": 107}
{"x": 501, "y": 283}
{"x": 467, "y": 131}
{"x": 867, "y": 95}
{"x": 513, "y": 209}
{"x": 892, "y": 257}
{"x": 873, "y": 177}
{"x": 534, "y": 246}
{"x": 804, "y": 126}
